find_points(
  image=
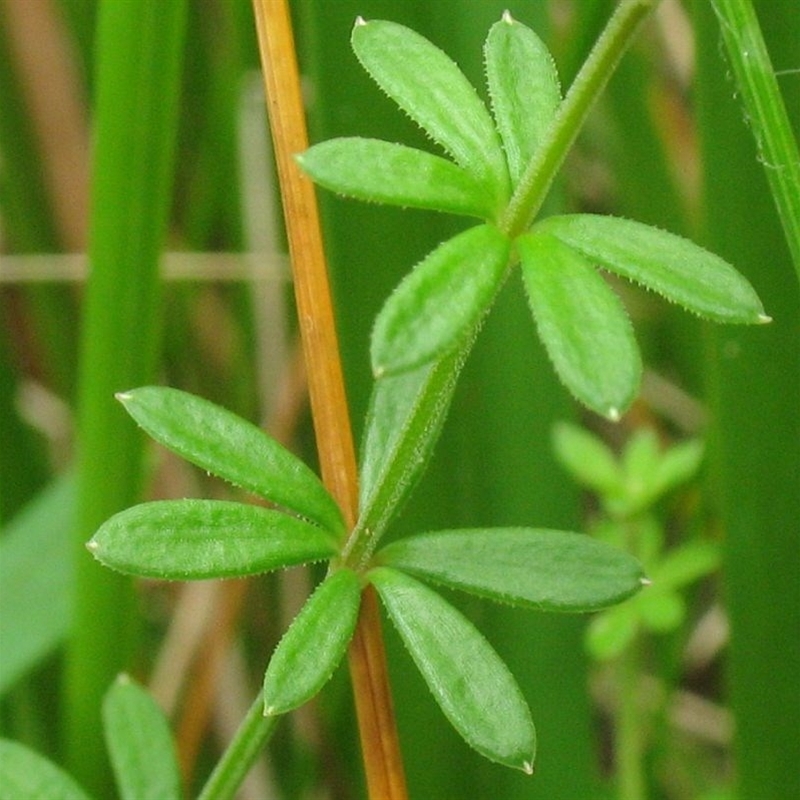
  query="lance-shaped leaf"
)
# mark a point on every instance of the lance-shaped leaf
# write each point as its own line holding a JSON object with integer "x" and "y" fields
{"x": 198, "y": 539}
{"x": 25, "y": 775}
{"x": 433, "y": 91}
{"x": 524, "y": 89}
{"x": 582, "y": 324}
{"x": 442, "y": 299}
{"x": 232, "y": 448}
{"x": 543, "y": 569}
{"x": 382, "y": 172}
{"x": 668, "y": 264}
{"x": 140, "y": 744}
{"x": 315, "y": 643}
{"x": 471, "y": 683}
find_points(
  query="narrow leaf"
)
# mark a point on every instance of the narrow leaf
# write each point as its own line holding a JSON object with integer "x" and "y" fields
{"x": 524, "y": 88}
{"x": 582, "y": 324}
{"x": 445, "y": 296}
{"x": 232, "y": 448}
{"x": 198, "y": 539}
{"x": 544, "y": 569}
{"x": 668, "y": 264}
{"x": 140, "y": 744}
{"x": 315, "y": 643}
{"x": 25, "y": 775}
{"x": 433, "y": 91}
{"x": 382, "y": 172}
{"x": 405, "y": 417}
{"x": 473, "y": 686}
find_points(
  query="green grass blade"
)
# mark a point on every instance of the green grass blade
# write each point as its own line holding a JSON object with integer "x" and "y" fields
{"x": 140, "y": 744}
{"x": 139, "y": 52}
{"x": 36, "y": 580}
{"x": 766, "y": 112}
{"x": 754, "y": 396}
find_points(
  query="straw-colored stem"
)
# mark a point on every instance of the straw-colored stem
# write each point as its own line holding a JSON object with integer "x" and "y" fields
{"x": 380, "y": 745}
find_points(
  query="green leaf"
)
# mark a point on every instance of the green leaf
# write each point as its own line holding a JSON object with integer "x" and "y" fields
{"x": 36, "y": 580}
{"x": 25, "y": 775}
{"x": 315, "y": 643}
{"x": 433, "y": 91}
{"x": 590, "y": 461}
{"x": 473, "y": 686}
{"x": 443, "y": 298}
{"x": 582, "y": 324}
{"x": 140, "y": 744}
{"x": 679, "y": 464}
{"x": 382, "y": 172}
{"x": 232, "y": 448}
{"x": 544, "y": 569}
{"x": 404, "y": 419}
{"x": 668, "y": 264}
{"x": 198, "y": 539}
{"x": 686, "y": 564}
{"x": 524, "y": 89}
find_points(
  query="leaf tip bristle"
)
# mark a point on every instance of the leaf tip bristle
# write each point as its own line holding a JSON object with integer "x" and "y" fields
{"x": 378, "y": 372}
{"x": 123, "y": 396}
{"x": 527, "y": 767}
{"x": 645, "y": 581}
{"x": 613, "y": 414}
{"x": 92, "y": 546}
{"x": 764, "y": 319}
{"x": 269, "y": 711}
{"x": 507, "y": 18}
{"x": 360, "y": 21}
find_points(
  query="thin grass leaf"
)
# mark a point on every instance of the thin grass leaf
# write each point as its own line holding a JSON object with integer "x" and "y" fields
{"x": 543, "y": 569}
{"x": 472, "y": 685}
{"x": 674, "y": 267}
{"x": 433, "y": 91}
{"x": 232, "y": 448}
{"x": 382, "y": 172}
{"x": 524, "y": 89}
{"x": 25, "y": 775}
{"x": 444, "y": 297}
{"x": 766, "y": 112}
{"x": 140, "y": 744}
{"x": 199, "y": 539}
{"x": 582, "y": 324}
{"x": 315, "y": 643}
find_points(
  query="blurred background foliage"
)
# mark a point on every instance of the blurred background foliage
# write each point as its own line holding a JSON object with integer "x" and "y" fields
{"x": 188, "y": 173}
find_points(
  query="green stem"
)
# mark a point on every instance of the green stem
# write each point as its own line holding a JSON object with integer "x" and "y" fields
{"x": 587, "y": 86}
{"x": 628, "y": 737}
{"x": 245, "y": 747}
{"x": 766, "y": 112}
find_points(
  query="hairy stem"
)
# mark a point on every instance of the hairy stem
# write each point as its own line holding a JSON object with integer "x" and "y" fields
{"x": 572, "y": 112}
